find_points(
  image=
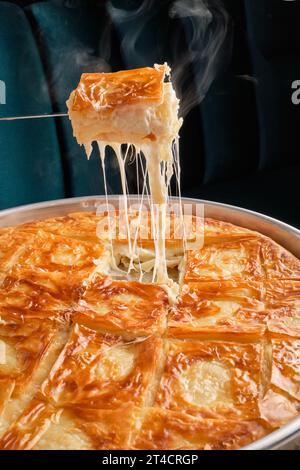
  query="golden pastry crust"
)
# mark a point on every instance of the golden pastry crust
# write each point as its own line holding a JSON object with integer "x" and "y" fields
{"x": 64, "y": 433}
{"x": 44, "y": 427}
{"x": 281, "y": 398}
{"x": 104, "y": 371}
{"x": 22, "y": 348}
{"x": 111, "y": 90}
{"x": 78, "y": 225}
{"x": 218, "y": 231}
{"x": 283, "y": 303}
{"x": 128, "y": 106}
{"x": 286, "y": 365}
{"x": 218, "y": 309}
{"x": 282, "y": 292}
{"x": 127, "y": 307}
{"x": 233, "y": 260}
{"x": 60, "y": 254}
{"x": 25, "y": 300}
{"x": 7, "y": 386}
{"x": 176, "y": 430}
{"x": 57, "y": 264}
{"x": 12, "y": 243}
{"x": 211, "y": 379}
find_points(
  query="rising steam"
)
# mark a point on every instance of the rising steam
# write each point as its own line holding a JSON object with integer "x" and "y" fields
{"x": 207, "y": 27}
{"x": 207, "y": 33}
{"x": 132, "y": 23}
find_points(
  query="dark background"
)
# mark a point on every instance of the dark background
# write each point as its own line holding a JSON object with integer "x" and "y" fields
{"x": 239, "y": 144}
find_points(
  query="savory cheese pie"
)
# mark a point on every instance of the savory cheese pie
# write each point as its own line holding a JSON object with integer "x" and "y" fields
{"x": 89, "y": 360}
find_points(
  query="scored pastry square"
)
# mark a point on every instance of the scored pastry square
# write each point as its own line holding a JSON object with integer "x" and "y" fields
{"x": 281, "y": 293}
{"x": 103, "y": 371}
{"x": 286, "y": 365}
{"x": 22, "y": 348}
{"x": 229, "y": 260}
{"x": 44, "y": 427}
{"x": 216, "y": 231}
{"x": 102, "y": 429}
{"x": 78, "y": 225}
{"x": 215, "y": 371}
{"x": 100, "y": 91}
{"x": 278, "y": 262}
{"x": 211, "y": 379}
{"x": 163, "y": 429}
{"x": 283, "y": 304}
{"x": 126, "y": 106}
{"x": 29, "y": 427}
{"x": 22, "y": 299}
{"x": 205, "y": 231}
{"x": 12, "y": 243}
{"x": 218, "y": 308}
{"x": 281, "y": 397}
{"x": 96, "y": 381}
{"x": 141, "y": 238}
{"x": 127, "y": 307}
{"x": 56, "y": 253}
{"x": 58, "y": 264}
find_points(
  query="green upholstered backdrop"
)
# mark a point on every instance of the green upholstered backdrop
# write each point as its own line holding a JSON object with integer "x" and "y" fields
{"x": 72, "y": 41}
{"x": 30, "y": 160}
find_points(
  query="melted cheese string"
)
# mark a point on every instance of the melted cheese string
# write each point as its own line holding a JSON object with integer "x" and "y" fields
{"x": 160, "y": 161}
{"x": 156, "y": 166}
{"x": 121, "y": 162}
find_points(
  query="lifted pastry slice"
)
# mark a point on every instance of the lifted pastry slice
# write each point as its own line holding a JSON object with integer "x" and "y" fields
{"x": 138, "y": 108}
{"x": 104, "y": 371}
{"x": 134, "y": 106}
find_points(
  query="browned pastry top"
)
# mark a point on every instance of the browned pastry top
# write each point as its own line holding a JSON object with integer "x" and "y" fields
{"x": 108, "y": 90}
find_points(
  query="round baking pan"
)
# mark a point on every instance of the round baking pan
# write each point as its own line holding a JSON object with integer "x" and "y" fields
{"x": 287, "y": 236}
